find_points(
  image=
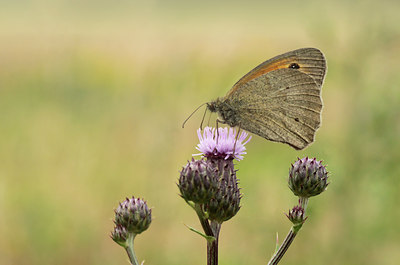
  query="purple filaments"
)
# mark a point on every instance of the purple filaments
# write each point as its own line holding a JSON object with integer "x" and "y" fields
{"x": 224, "y": 144}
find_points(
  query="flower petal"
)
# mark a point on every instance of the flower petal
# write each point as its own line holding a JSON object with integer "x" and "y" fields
{"x": 223, "y": 143}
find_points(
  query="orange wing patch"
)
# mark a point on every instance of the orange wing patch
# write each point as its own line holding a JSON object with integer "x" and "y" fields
{"x": 262, "y": 69}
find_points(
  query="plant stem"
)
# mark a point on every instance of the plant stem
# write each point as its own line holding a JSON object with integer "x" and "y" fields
{"x": 203, "y": 221}
{"x": 209, "y": 230}
{"x": 303, "y": 203}
{"x": 290, "y": 236}
{"x": 212, "y": 247}
{"x": 212, "y": 252}
{"x": 283, "y": 248}
{"x": 131, "y": 252}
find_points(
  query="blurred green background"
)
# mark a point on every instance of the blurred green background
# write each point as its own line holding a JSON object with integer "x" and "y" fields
{"x": 93, "y": 95}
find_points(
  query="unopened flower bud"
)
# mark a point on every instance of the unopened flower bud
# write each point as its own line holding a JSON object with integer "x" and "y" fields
{"x": 296, "y": 215}
{"x": 307, "y": 177}
{"x": 134, "y": 215}
{"x": 120, "y": 235}
{"x": 226, "y": 202}
{"x": 198, "y": 182}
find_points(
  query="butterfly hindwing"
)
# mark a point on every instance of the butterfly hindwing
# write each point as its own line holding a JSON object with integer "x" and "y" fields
{"x": 279, "y": 99}
{"x": 284, "y": 106}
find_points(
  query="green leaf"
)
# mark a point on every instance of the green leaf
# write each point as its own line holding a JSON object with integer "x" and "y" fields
{"x": 277, "y": 243}
{"x": 208, "y": 238}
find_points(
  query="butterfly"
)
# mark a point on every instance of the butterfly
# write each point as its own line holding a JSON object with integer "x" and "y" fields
{"x": 279, "y": 100}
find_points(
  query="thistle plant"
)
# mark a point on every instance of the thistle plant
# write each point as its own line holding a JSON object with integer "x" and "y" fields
{"x": 307, "y": 178}
{"x": 210, "y": 185}
{"x": 132, "y": 217}
{"x": 198, "y": 182}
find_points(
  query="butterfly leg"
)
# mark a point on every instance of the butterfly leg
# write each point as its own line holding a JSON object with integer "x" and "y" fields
{"x": 209, "y": 118}
{"x": 202, "y": 120}
{"x": 237, "y": 137}
{"x": 217, "y": 122}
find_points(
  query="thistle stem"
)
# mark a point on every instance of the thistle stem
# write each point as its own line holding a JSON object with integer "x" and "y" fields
{"x": 130, "y": 251}
{"x": 210, "y": 230}
{"x": 203, "y": 221}
{"x": 212, "y": 247}
{"x": 212, "y": 252}
{"x": 290, "y": 236}
{"x": 283, "y": 248}
{"x": 303, "y": 201}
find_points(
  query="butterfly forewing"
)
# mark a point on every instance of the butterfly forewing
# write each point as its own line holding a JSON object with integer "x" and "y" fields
{"x": 310, "y": 61}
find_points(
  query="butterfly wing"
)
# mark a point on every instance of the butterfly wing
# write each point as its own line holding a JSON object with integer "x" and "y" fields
{"x": 283, "y": 105}
{"x": 311, "y": 61}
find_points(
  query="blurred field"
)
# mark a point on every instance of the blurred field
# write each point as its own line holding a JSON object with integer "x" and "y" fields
{"x": 93, "y": 94}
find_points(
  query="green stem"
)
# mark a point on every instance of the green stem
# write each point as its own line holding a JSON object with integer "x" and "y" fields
{"x": 203, "y": 221}
{"x": 212, "y": 247}
{"x": 129, "y": 249}
{"x": 283, "y": 248}
{"x": 209, "y": 230}
{"x": 303, "y": 201}
{"x": 290, "y": 236}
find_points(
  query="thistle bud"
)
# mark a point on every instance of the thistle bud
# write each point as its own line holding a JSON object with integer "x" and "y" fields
{"x": 198, "y": 182}
{"x": 133, "y": 215}
{"x": 296, "y": 215}
{"x": 226, "y": 202}
{"x": 120, "y": 235}
{"x": 307, "y": 177}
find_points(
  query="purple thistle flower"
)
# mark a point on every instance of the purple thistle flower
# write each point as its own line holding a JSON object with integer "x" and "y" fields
{"x": 224, "y": 144}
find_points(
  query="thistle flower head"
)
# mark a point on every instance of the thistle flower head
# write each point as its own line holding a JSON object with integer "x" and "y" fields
{"x": 308, "y": 177}
{"x": 223, "y": 143}
{"x": 226, "y": 202}
{"x": 198, "y": 181}
{"x": 133, "y": 215}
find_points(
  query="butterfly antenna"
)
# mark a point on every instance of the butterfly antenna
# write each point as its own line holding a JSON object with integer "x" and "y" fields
{"x": 183, "y": 124}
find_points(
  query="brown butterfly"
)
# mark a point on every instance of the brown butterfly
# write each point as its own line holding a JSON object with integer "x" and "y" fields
{"x": 279, "y": 100}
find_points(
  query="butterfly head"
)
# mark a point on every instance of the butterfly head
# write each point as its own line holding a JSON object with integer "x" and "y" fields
{"x": 225, "y": 111}
{"x": 214, "y": 105}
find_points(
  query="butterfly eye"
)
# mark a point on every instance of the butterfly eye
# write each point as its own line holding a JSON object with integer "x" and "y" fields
{"x": 294, "y": 66}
